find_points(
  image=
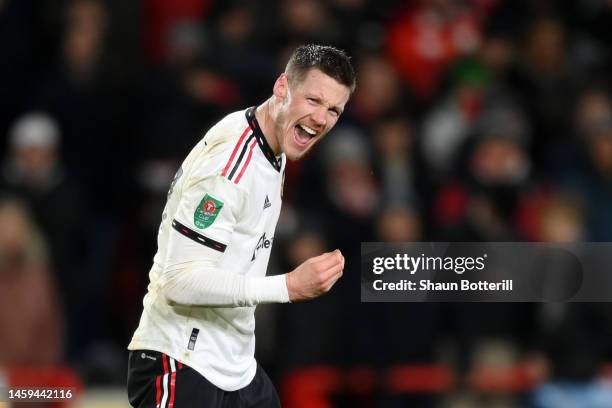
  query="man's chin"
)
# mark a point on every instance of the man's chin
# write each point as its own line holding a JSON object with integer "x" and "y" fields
{"x": 294, "y": 153}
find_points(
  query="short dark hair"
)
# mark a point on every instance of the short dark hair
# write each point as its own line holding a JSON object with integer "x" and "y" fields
{"x": 329, "y": 60}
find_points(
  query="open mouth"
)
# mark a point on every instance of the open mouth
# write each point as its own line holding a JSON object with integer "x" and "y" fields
{"x": 303, "y": 134}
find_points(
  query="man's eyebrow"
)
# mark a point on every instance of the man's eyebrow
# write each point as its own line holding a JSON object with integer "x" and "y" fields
{"x": 319, "y": 99}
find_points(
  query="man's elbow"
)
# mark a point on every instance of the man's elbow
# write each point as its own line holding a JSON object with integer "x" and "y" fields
{"x": 203, "y": 287}
{"x": 173, "y": 293}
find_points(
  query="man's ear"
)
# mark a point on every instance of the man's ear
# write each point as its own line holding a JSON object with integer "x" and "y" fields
{"x": 281, "y": 86}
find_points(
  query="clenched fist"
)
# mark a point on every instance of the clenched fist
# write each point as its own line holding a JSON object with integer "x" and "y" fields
{"x": 315, "y": 276}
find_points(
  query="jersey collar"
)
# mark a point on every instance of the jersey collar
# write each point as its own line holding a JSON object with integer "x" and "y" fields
{"x": 261, "y": 139}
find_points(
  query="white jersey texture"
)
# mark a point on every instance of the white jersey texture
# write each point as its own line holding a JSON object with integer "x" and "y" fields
{"x": 214, "y": 244}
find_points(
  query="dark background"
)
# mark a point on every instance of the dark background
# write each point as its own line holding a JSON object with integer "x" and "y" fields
{"x": 475, "y": 120}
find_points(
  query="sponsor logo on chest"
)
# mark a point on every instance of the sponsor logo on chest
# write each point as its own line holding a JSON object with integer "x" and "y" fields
{"x": 263, "y": 243}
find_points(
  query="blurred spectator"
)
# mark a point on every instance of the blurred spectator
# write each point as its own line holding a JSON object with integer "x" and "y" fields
{"x": 185, "y": 44}
{"x": 498, "y": 53}
{"x": 570, "y": 394}
{"x": 448, "y": 126}
{"x": 35, "y": 173}
{"x": 482, "y": 204}
{"x": 308, "y": 331}
{"x": 206, "y": 71}
{"x": 138, "y": 245}
{"x": 394, "y": 140}
{"x": 594, "y": 117}
{"x": 85, "y": 30}
{"x": 31, "y": 322}
{"x": 384, "y": 334}
{"x": 498, "y": 171}
{"x": 34, "y": 141}
{"x": 398, "y": 224}
{"x": 304, "y": 246}
{"x": 561, "y": 220}
{"x": 161, "y": 15}
{"x": 180, "y": 104}
{"x": 237, "y": 47}
{"x": 80, "y": 92}
{"x": 359, "y": 23}
{"x": 379, "y": 90}
{"x": 427, "y": 36}
{"x": 545, "y": 85}
{"x": 591, "y": 174}
{"x": 351, "y": 188}
{"x": 304, "y": 21}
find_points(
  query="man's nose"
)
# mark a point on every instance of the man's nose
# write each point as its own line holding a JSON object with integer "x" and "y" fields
{"x": 320, "y": 116}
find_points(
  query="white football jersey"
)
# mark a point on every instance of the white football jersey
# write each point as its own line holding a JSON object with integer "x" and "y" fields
{"x": 222, "y": 210}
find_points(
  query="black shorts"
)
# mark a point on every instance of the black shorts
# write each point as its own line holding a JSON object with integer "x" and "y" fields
{"x": 156, "y": 380}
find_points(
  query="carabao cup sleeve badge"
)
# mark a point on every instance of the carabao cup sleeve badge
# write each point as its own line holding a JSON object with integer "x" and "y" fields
{"x": 206, "y": 212}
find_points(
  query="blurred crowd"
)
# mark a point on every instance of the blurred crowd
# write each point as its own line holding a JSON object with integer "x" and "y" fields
{"x": 473, "y": 120}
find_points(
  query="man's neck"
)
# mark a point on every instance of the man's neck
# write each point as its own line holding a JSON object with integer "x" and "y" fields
{"x": 264, "y": 117}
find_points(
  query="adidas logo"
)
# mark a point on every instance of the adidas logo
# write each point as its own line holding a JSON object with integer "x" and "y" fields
{"x": 267, "y": 203}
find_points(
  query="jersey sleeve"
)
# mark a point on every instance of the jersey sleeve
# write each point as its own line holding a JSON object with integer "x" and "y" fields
{"x": 202, "y": 227}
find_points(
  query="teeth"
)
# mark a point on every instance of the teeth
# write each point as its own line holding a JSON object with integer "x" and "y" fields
{"x": 308, "y": 130}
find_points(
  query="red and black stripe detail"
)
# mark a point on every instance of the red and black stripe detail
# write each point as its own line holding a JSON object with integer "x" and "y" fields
{"x": 243, "y": 162}
{"x": 197, "y": 237}
{"x": 165, "y": 385}
{"x": 236, "y": 158}
{"x": 243, "y": 150}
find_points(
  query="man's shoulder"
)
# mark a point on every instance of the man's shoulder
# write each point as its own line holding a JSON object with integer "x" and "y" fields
{"x": 220, "y": 138}
{"x": 221, "y": 147}
{"x": 229, "y": 128}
